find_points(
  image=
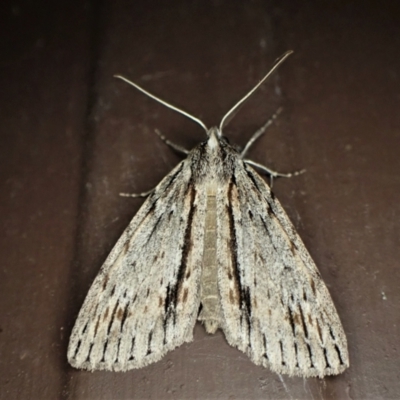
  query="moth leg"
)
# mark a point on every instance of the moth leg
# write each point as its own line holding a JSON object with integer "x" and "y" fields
{"x": 143, "y": 194}
{"x": 274, "y": 174}
{"x": 260, "y": 132}
{"x": 176, "y": 147}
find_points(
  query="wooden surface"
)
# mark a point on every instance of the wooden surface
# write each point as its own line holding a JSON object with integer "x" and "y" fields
{"x": 72, "y": 138}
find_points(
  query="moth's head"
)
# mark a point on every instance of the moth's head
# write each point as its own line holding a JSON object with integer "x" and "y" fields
{"x": 214, "y": 136}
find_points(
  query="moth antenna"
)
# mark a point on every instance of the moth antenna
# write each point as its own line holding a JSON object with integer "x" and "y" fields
{"x": 163, "y": 102}
{"x": 278, "y": 62}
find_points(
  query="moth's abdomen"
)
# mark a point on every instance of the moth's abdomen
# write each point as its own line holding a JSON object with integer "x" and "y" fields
{"x": 210, "y": 313}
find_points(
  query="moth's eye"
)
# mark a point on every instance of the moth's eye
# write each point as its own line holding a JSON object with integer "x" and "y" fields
{"x": 225, "y": 139}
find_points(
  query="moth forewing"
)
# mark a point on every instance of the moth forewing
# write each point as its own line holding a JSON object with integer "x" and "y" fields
{"x": 277, "y": 308}
{"x": 144, "y": 301}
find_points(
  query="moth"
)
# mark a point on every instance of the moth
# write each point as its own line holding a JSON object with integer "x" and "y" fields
{"x": 211, "y": 243}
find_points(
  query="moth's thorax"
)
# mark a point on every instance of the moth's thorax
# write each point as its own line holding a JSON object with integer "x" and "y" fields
{"x": 213, "y": 159}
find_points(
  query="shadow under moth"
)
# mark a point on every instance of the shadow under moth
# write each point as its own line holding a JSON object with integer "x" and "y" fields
{"x": 211, "y": 243}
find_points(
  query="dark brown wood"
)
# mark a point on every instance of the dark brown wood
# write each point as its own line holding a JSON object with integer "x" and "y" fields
{"x": 72, "y": 138}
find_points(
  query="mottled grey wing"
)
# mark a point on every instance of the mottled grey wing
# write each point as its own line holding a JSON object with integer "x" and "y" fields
{"x": 275, "y": 306}
{"x": 144, "y": 301}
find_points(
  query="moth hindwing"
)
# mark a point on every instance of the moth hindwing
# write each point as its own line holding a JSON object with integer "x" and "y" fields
{"x": 210, "y": 243}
